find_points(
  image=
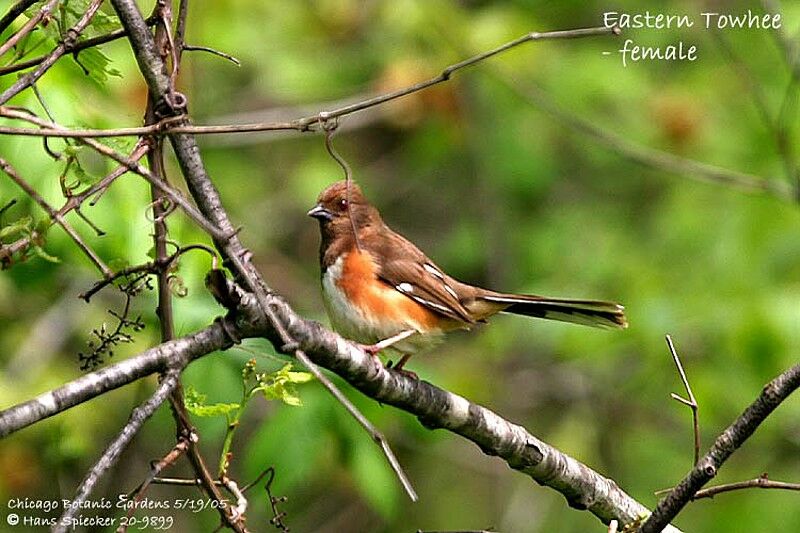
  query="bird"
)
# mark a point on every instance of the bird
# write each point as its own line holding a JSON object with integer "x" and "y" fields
{"x": 381, "y": 291}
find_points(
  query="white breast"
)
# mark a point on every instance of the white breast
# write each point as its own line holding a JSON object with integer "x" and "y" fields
{"x": 352, "y": 323}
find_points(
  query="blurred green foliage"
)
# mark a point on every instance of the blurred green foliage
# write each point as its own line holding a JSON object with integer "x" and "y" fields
{"x": 498, "y": 193}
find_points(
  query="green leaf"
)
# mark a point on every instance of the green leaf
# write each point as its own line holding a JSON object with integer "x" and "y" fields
{"x": 299, "y": 377}
{"x": 97, "y": 64}
{"x": 195, "y": 404}
{"x": 279, "y": 385}
{"x": 39, "y": 251}
{"x": 18, "y": 227}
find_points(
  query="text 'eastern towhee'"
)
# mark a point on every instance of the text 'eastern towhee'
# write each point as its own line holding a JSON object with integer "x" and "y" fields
{"x": 381, "y": 290}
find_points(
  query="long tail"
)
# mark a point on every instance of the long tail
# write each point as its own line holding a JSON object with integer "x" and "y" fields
{"x": 587, "y": 312}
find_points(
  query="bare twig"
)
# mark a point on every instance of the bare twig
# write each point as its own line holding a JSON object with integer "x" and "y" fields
{"x": 208, "y": 199}
{"x": 73, "y": 203}
{"x": 373, "y": 432}
{"x": 28, "y": 26}
{"x": 68, "y": 42}
{"x": 650, "y": 157}
{"x": 156, "y": 468}
{"x": 308, "y": 123}
{"x": 775, "y": 392}
{"x": 163, "y": 14}
{"x": 761, "y": 482}
{"x": 180, "y": 31}
{"x": 133, "y": 166}
{"x": 691, "y": 402}
{"x": 435, "y": 408}
{"x": 214, "y": 52}
{"x": 80, "y": 45}
{"x": 184, "y": 482}
{"x": 55, "y": 216}
{"x": 153, "y": 267}
{"x": 116, "y": 447}
{"x": 13, "y": 12}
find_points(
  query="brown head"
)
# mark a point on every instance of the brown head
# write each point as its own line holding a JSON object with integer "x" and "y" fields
{"x": 335, "y": 207}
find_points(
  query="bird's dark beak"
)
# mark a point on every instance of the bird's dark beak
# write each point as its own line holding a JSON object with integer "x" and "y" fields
{"x": 320, "y": 213}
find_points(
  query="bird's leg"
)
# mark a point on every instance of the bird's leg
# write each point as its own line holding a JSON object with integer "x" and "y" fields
{"x": 399, "y": 366}
{"x": 374, "y": 349}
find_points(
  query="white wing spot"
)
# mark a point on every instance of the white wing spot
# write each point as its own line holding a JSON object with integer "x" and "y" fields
{"x": 429, "y": 303}
{"x": 451, "y": 291}
{"x": 433, "y": 270}
{"x": 405, "y": 287}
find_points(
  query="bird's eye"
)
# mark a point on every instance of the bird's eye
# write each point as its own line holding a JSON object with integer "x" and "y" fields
{"x": 343, "y": 203}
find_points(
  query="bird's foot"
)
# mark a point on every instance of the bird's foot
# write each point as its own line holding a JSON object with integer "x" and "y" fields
{"x": 399, "y": 367}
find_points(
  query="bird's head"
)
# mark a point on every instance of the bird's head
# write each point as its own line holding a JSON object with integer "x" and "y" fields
{"x": 336, "y": 204}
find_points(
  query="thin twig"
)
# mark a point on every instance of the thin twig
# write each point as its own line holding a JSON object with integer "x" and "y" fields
{"x": 691, "y": 402}
{"x": 28, "y": 26}
{"x": 74, "y": 202}
{"x": 373, "y": 432}
{"x": 644, "y": 155}
{"x": 184, "y": 482}
{"x": 133, "y": 166}
{"x": 761, "y": 482}
{"x": 116, "y": 447}
{"x": 156, "y": 468}
{"x": 214, "y": 51}
{"x": 330, "y": 129}
{"x": 80, "y": 45}
{"x": 305, "y": 123}
{"x": 180, "y": 31}
{"x": 158, "y": 265}
{"x": 13, "y": 12}
{"x": 309, "y": 122}
{"x": 68, "y": 42}
{"x": 56, "y": 217}
{"x": 163, "y": 14}
{"x": 772, "y": 395}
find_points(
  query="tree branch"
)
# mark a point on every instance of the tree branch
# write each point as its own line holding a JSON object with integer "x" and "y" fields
{"x": 207, "y": 197}
{"x": 55, "y": 216}
{"x": 434, "y": 407}
{"x": 28, "y": 26}
{"x": 66, "y": 45}
{"x": 307, "y": 123}
{"x": 761, "y": 482}
{"x": 116, "y": 447}
{"x": 88, "y": 386}
{"x": 133, "y": 166}
{"x": 651, "y": 157}
{"x": 13, "y": 12}
{"x": 732, "y": 438}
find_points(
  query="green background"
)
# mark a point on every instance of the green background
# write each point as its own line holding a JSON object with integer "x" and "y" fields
{"x": 496, "y": 191}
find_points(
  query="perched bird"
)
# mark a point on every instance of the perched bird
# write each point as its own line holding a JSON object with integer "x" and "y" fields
{"x": 380, "y": 290}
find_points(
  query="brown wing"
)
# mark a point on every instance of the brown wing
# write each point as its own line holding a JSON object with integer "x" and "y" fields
{"x": 403, "y": 266}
